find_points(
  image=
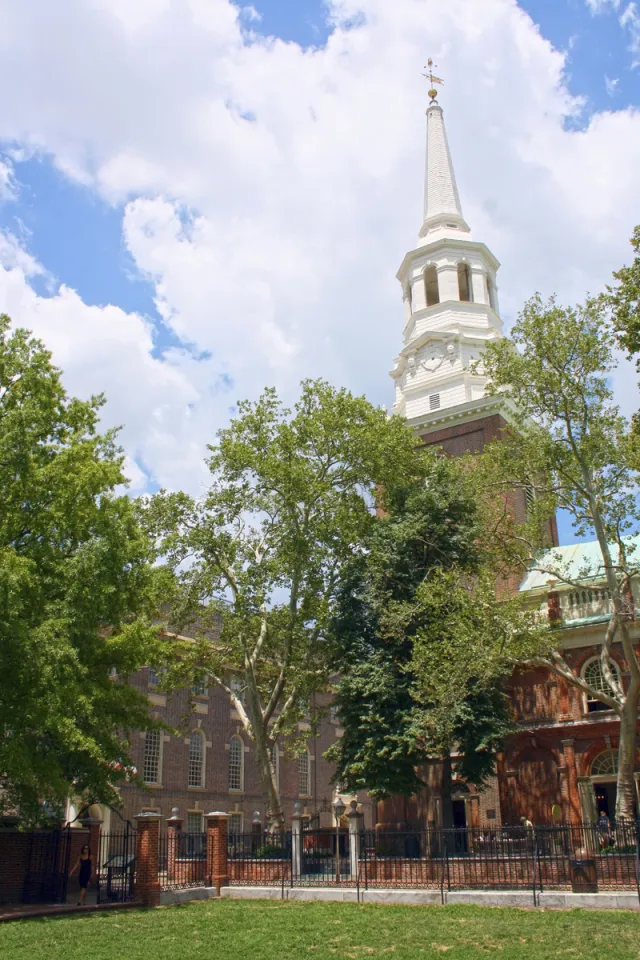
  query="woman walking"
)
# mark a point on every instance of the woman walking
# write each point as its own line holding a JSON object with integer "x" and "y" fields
{"x": 84, "y": 864}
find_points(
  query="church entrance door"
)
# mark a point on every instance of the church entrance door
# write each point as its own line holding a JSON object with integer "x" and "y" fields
{"x": 606, "y": 798}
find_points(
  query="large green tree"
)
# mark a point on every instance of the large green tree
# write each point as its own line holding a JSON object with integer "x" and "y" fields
{"x": 422, "y": 643}
{"x": 572, "y": 450}
{"x": 260, "y": 558}
{"x": 623, "y": 301}
{"x": 75, "y": 580}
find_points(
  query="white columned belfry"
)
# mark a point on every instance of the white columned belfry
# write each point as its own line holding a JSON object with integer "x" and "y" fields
{"x": 450, "y": 297}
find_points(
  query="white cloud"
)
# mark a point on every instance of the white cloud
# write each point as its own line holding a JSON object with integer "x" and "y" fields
{"x": 270, "y": 193}
{"x": 611, "y": 84}
{"x": 8, "y": 185}
{"x": 629, "y": 19}
{"x": 597, "y": 6}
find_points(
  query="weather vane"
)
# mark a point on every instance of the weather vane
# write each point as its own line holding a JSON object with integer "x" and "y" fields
{"x": 433, "y": 93}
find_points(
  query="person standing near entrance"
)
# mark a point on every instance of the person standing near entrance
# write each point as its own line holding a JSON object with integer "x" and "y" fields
{"x": 604, "y": 829}
{"x": 84, "y": 864}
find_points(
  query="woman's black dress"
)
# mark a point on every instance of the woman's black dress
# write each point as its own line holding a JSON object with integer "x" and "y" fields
{"x": 85, "y": 872}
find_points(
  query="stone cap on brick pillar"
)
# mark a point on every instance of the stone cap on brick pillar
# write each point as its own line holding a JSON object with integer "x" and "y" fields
{"x": 148, "y": 817}
{"x": 91, "y": 821}
{"x": 217, "y": 813}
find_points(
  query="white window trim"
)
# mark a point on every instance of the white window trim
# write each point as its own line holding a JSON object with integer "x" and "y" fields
{"x": 203, "y": 777}
{"x": 586, "y": 699}
{"x": 309, "y": 778}
{"x": 237, "y": 814}
{"x": 159, "y": 781}
{"x": 236, "y": 790}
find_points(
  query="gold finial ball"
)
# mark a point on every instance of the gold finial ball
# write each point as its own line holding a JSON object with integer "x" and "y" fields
{"x": 433, "y": 93}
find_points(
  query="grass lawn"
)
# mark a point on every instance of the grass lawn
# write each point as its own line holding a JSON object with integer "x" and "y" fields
{"x": 268, "y": 930}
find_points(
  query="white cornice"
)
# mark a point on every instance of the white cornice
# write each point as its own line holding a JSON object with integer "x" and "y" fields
{"x": 465, "y": 413}
{"x": 428, "y": 248}
{"x": 456, "y": 306}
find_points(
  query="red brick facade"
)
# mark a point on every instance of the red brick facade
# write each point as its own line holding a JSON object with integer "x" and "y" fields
{"x": 549, "y": 764}
{"x": 213, "y": 714}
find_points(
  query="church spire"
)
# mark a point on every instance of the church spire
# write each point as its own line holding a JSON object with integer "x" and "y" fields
{"x": 442, "y": 208}
{"x": 450, "y": 299}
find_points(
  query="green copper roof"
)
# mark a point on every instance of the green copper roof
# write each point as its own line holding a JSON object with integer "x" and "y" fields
{"x": 578, "y": 561}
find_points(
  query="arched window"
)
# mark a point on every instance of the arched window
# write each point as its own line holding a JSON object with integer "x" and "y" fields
{"x": 304, "y": 775}
{"x": 275, "y": 760}
{"x": 605, "y": 764}
{"x": 593, "y": 675}
{"x": 491, "y": 292}
{"x": 152, "y": 763}
{"x": 431, "y": 288}
{"x": 236, "y": 764}
{"x": 465, "y": 290}
{"x": 196, "y": 759}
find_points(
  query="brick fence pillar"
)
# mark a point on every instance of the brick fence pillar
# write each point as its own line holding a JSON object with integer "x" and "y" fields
{"x": 217, "y": 864}
{"x": 174, "y": 829}
{"x": 573, "y": 794}
{"x": 147, "y": 885}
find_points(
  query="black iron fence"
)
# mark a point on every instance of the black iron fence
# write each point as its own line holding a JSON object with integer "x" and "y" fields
{"x": 47, "y": 867}
{"x": 115, "y": 866}
{"x": 182, "y": 860}
{"x": 259, "y": 858}
{"x": 578, "y": 857}
{"x": 581, "y": 857}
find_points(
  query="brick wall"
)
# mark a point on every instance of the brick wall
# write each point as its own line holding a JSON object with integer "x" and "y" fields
{"x": 214, "y": 715}
{"x": 15, "y": 849}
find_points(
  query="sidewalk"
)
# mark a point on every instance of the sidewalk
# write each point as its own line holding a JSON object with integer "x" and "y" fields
{"x": 24, "y": 911}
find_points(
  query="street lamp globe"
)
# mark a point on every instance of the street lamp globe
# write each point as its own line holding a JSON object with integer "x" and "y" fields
{"x": 339, "y": 808}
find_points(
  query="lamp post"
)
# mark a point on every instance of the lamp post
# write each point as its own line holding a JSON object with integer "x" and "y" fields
{"x": 338, "y": 810}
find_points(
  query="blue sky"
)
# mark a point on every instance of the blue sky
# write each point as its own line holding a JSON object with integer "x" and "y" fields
{"x": 78, "y": 237}
{"x": 296, "y": 221}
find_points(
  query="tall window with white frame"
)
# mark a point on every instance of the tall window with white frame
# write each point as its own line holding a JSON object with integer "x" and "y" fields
{"x": 152, "y": 762}
{"x": 195, "y": 840}
{"x": 593, "y": 674}
{"x": 237, "y": 686}
{"x": 236, "y": 764}
{"x": 304, "y": 774}
{"x": 196, "y": 759}
{"x": 235, "y": 824}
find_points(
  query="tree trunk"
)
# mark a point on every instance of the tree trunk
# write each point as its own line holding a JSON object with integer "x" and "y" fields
{"x": 263, "y": 745}
{"x": 446, "y": 790}
{"x": 625, "y": 799}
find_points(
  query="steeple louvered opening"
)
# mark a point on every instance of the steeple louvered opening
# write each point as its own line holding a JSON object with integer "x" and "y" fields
{"x": 465, "y": 290}
{"x": 431, "y": 286}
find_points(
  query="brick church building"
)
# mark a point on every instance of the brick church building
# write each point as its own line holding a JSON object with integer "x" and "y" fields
{"x": 565, "y": 754}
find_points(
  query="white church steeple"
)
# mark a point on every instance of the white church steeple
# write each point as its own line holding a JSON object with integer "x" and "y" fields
{"x": 451, "y": 303}
{"x": 441, "y": 197}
